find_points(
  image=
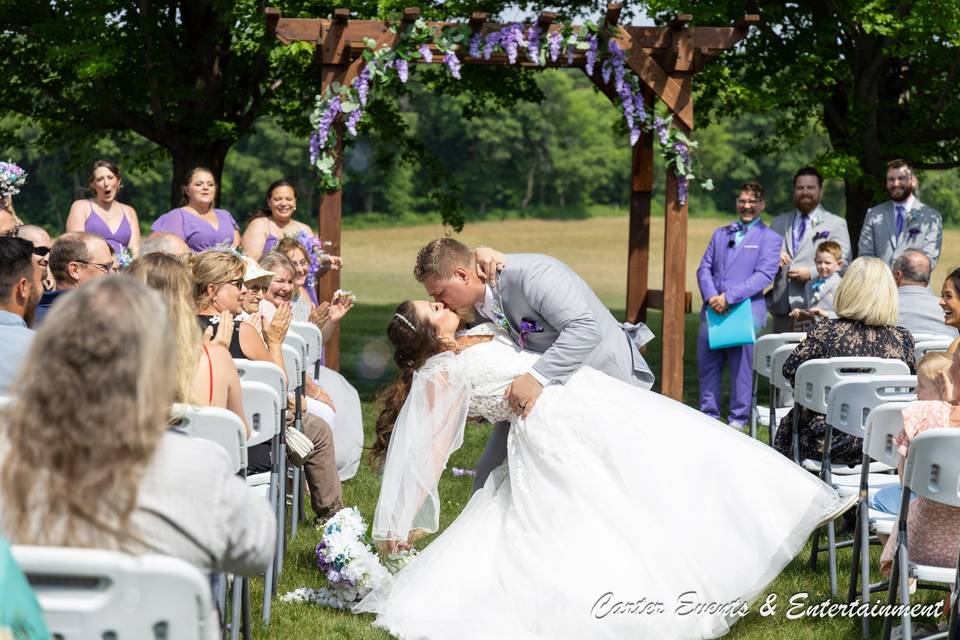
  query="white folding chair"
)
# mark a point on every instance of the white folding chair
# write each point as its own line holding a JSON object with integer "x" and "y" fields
{"x": 926, "y": 337}
{"x": 216, "y": 425}
{"x": 314, "y": 340}
{"x": 920, "y": 349}
{"x": 293, "y": 363}
{"x": 932, "y": 471}
{"x": 884, "y": 424}
{"x": 849, "y": 402}
{"x": 781, "y": 390}
{"x": 762, "y": 362}
{"x": 91, "y": 594}
{"x": 261, "y": 407}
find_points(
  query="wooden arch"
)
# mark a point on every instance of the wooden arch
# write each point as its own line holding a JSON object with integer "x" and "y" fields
{"x": 664, "y": 59}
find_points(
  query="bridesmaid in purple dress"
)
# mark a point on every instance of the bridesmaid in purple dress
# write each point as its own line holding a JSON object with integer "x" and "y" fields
{"x": 104, "y": 215}
{"x": 196, "y": 221}
{"x": 267, "y": 225}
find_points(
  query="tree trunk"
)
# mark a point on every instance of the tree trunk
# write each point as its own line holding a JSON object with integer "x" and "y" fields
{"x": 859, "y": 198}
{"x": 186, "y": 159}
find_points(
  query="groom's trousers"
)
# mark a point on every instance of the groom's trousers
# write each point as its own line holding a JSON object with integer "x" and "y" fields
{"x": 494, "y": 454}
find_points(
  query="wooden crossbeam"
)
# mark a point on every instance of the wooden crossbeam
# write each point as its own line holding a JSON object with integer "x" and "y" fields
{"x": 388, "y": 37}
{"x": 654, "y": 300}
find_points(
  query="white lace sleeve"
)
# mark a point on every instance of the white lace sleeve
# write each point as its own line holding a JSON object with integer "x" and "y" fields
{"x": 428, "y": 430}
{"x": 483, "y": 329}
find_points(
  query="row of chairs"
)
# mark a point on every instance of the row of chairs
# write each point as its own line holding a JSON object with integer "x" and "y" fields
{"x": 96, "y": 594}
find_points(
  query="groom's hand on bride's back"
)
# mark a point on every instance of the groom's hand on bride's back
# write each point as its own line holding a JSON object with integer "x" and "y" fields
{"x": 522, "y": 394}
{"x": 489, "y": 263}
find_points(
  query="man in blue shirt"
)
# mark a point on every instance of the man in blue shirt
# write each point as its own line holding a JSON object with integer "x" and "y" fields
{"x": 20, "y": 290}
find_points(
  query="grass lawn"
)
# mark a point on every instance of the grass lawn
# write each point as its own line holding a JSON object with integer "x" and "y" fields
{"x": 379, "y": 263}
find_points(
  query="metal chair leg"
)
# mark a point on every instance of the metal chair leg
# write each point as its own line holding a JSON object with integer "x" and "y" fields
{"x": 237, "y": 604}
{"x": 753, "y": 406}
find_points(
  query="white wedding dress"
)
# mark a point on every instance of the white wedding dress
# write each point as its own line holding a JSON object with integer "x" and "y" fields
{"x": 610, "y": 496}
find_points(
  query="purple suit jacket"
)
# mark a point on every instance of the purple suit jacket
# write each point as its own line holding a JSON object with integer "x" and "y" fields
{"x": 743, "y": 271}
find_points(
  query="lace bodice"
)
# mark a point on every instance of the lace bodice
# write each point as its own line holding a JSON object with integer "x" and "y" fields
{"x": 490, "y": 367}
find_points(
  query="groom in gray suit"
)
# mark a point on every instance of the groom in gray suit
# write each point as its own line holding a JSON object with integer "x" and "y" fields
{"x": 802, "y": 229}
{"x": 903, "y": 222}
{"x": 546, "y": 308}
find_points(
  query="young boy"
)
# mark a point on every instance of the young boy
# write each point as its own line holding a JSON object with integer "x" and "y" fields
{"x": 819, "y": 292}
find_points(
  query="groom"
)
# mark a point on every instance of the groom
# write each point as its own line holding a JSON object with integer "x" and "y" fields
{"x": 546, "y": 308}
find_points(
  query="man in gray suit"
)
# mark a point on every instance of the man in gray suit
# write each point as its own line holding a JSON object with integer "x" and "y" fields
{"x": 546, "y": 308}
{"x": 903, "y": 222}
{"x": 920, "y": 310}
{"x": 802, "y": 229}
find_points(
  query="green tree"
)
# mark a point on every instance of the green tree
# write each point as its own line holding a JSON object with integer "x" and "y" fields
{"x": 880, "y": 77}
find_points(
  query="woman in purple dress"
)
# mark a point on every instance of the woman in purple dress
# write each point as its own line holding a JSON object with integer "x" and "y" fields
{"x": 104, "y": 215}
{"x": 196, "y": 221}
{"x": 268, "y": 224}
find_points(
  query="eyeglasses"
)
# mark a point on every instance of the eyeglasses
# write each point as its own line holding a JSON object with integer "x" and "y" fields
{"x": 238, "y": 283}
{"x": 106, "y": 267}
{"x": 747, "y": 203}
{"x": 256, "y": 288}
{"x": 41, "y": 251}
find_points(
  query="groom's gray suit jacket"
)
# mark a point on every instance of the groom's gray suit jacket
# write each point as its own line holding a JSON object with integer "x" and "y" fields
{"x": 577, "y": 328}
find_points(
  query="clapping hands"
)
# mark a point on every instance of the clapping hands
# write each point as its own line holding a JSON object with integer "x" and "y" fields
{"x": 224, "y": 334}
{"x": 276, "y": 331}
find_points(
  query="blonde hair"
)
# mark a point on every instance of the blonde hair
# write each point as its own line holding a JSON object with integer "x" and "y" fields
{"x": 275, "y": 260}
{"x": 213, "y": 267}
{"x": 90, "y": 408}
{"x": 171, "y": 278}
{"x": 868, "y": 293}
{"x": 439, "y": 259}
{"x": 933, "y": 363}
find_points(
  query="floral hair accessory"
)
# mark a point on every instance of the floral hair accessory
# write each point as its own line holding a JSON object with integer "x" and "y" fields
{"x": 12, "y": 178}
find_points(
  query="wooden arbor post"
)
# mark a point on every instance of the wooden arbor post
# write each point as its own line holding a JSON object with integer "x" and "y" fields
{"x": 664, "y": 60}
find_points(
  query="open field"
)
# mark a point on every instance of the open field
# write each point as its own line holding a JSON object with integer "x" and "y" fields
{"x": 379, "y": 263}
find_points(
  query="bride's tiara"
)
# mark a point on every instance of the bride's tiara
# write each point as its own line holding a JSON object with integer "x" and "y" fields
{"x": 405, "y": 321}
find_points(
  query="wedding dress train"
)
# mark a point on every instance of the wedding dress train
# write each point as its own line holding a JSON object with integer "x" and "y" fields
{"x": 614, "y": 508}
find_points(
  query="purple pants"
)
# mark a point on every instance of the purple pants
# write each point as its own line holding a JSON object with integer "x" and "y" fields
{"x": 710, "y": 363}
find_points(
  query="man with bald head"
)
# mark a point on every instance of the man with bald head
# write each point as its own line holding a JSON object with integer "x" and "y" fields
{"x": 75, "y": 258}
{"x": 41, "y": 249}
{"x": 920, "y": 311}
{"x": 162, "y": 242}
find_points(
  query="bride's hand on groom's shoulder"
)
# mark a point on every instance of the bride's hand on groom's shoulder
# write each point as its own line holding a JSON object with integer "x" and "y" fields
{"x": 489, "y": 263}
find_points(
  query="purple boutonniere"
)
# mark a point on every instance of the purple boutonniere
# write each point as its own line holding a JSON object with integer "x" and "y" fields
{"x": 820, "y": 235}
{"x": 913, "y": 232}
{"x": 528, "y": 326}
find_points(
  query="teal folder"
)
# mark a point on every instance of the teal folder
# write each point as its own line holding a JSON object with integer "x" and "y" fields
{"x": 733, "y": 328}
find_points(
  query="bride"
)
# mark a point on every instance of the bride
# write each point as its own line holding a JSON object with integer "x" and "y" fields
{"x": 618, "y": 513}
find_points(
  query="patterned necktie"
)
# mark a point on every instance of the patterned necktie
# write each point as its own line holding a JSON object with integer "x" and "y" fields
{"x": 798, "y": 231}
{"x": 900, "y": 211}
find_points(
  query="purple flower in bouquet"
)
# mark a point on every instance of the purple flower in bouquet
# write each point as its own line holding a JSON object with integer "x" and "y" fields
{"x": 554, "y": 43}
{"x": 315, "y": 254}
{"x": 453, "y": 64}
{"x": 492, "y": 41}
{"x": 353, "y": 120}
{"x": 591, "y": 54}
{"x": 661, "y": 127}
{"x": 528, "y": 326}
{"x": 533, "y": 43}
{"x": 425, "y": 52}
{"x": 475, "y": 45}
{"x": 12, "y": 178}
{"x": 403, "y": 71}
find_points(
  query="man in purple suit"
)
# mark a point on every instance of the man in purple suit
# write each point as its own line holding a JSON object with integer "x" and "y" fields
{"x": 739, "y": 263}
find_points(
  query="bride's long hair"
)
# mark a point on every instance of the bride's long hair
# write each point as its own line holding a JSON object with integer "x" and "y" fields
{"x": 414, "y": 340}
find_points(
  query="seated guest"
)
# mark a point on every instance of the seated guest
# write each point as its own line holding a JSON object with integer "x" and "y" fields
{"x": 104, "y": 215}
{"x": 950, "y": 299}
{"x": 218, "y": 284}
{"x": 206, "y": 375}
{"x": 347, "y": 422}
{"x": 866, "y": 308}
{"x": 933, "y": 529}
{"x": 41, "y": 249}
{"x": 86, "y": 456}
{"x": 819, "y": 292}
{"x": 75, "y": 258}
{"x": 197, "y": 222}
{"x": 161, "y": 242}
{"x": 919, "y": 309}
{"x": 306, "y": 307}
{"x": 20, "y": 291}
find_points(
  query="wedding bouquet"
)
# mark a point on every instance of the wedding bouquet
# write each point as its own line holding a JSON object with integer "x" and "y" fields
{"x": 12, "y": 178}
{"x": 349, "y": 562}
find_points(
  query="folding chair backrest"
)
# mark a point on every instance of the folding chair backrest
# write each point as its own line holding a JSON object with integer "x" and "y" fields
{"x": 884, "y": 424}
{"x": 5, "y": 402}
{"x": 292, "y": 366}
{"x": 777, "y": 361}
{"x": 932, "y": 469}
{"x": 312, "y": 337}
{"x": 260, "y": 371}
{"x": 815, "y": 378}
{"x": 262, "y": 408}
{"x": 764, "y": 347}
{"x": 925, "y": 346}
{"x": 852, "y": 400}
{"x": 216, "y": 425}
{"x": 926, "y": 337}
{"x": 90, "y": 594}
{"x": 294, "y": 340}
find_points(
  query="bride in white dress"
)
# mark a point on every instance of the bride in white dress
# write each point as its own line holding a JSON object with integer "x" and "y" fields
{"x": 615, "y": 505}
